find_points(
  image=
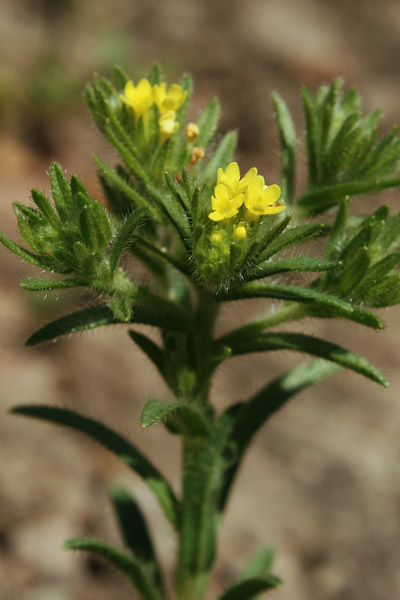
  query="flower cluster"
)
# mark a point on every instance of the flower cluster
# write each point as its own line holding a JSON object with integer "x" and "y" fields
{"x": 144, "y": 95}
{"x": 247, "y": 197}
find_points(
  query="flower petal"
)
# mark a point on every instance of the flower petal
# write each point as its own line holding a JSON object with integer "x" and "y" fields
{"x": 232, "y": 175}
{"x": 271, "y": 194}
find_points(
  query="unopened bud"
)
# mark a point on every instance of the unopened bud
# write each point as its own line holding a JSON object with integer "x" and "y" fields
{"x": 192, "y": 131}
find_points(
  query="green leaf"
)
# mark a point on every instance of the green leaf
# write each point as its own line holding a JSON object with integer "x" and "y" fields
{"x": 207, "y": 123}
{"x": 152, "y": 350}
{"x": 45, "y": 207}
{"x": 287, "y": 136}
{"x": 121, "y": 184}
{"x": 37, "y": 285}
{"x": 134, "y": 530}
{"x": 128, "y": 565}
{"x": 292, "y": 236}
{"x": 250, "y": 588}
{"x": 43, "y": 262}
{"x": 61, "y": 191}
{"x": 124, "y": 236}
{"x": 114, "y": 442}
{"x": 250, "y": 416}
{"x": 317, "y": 304}
{"x": 121, "y": 77}
{"x": 384, "y": 293}
{"x": 319, "y": 200}
{"x": 222, "y": 156}
{"x": 311, "y": 136}
{"x": 301, "y": 263}
{"x": 165, "y": 315}
{"x": 305, "y": 343}
{"x": 260, "y": 565}
{"x": 185, "y": 418}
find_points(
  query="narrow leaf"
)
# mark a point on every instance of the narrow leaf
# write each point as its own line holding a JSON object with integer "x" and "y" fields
{"x": 302, "y": 263}
{"x": 134, "y": 530}
{"x": 37, "y": 285}
{"x": 291, "y": 237}
{"x": 124, "y": 236}
{"x": 114, "y": 442}
{"x": 287, "y": 136}
{"x": 250, "y": 416}
{"x": 312, "y": 345}
{"x": 250, "y": 588}
{"x": 260, "y": 565}
{"x": 186, "y": 417}
{"x": 128, "y": 565}
{"x": 152, "y": 350}
{"x": 166, "y": 315}
{"x": 222, "y": 156}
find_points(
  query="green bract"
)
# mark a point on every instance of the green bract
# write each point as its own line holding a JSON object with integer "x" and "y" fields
{"x": 176, "y": 201}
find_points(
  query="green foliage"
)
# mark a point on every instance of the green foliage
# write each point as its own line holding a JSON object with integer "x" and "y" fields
{"x": 114, "y": 442}
{"x": 207, "y": 235}
{"x": 344, "y": 157}
{"x": 128, "y": 565}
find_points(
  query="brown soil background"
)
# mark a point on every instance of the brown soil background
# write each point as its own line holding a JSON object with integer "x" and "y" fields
{"x": 321, "y": 483}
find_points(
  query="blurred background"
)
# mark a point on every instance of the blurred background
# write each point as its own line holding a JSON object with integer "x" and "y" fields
{"x": 322, "y": 481}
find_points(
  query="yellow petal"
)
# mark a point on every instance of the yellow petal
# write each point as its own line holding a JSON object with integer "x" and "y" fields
{"x": 237, "y": 201}
{"x": 129, "y": 90}
{"x": 274, "y": 210}
{"x": 232, "y": 174}
{"x": 251, "y": 173}
{"x": 216, "y": 216}
{"x": 221, "y": 192}
{"x": 271, "y": 194}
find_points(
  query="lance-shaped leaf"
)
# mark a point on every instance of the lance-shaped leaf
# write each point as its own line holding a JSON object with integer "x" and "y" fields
{"x": 291, "y": 237}
{"x": 61, "y": 191}
{"x": 166, "y": 315}
{"x": 318, "y": 200}
{"x": 250, "y": 416}
{"x": 152, "y": 350}
{"x": 222, "y": 156}
{"x": 207, "y": 123}
{"x": 132, "y": 568}
{"x": 183, "y": 417}
{"x": 114, "y": 442}
{"x": 121, "y": 184}
{"x": 134, "y": 530}
{"x": 287, "y": 136}
{"x": 260, "y": 565}
{"x": 37, "y": 285}
{"x": 44, "y": 262}
{"x": 301, "y": 263}
{"x": 298, "y": 342}
{"x": 251, "y": 588}
{"x": 124, "y": 236}
{"x": 317, "y": 304}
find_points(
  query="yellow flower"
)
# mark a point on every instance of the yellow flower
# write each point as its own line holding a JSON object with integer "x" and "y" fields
{"x": 224, "y": 207}
{"x": 230, "y": 178}
{"x": 260, "y": 199}
{"x": 139, "y": 97}
{"x": 168, "y": 100}
{"x": 240, "y": 232}
{"x": 168, "y": 125}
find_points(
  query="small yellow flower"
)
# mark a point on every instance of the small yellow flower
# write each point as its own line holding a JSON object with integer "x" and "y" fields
{"x": 260, "y": 199}
{"x": 168, "y": 100}
{"x": 217, "y": 237}
{"x": 139, "y": 97}
{"x": 168, "y": 125}
{"x": 240, "y": 232}
{"x": 230, "y": 178}
{"x": 224, "y": 207}
{"x": 192, "y": 131}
